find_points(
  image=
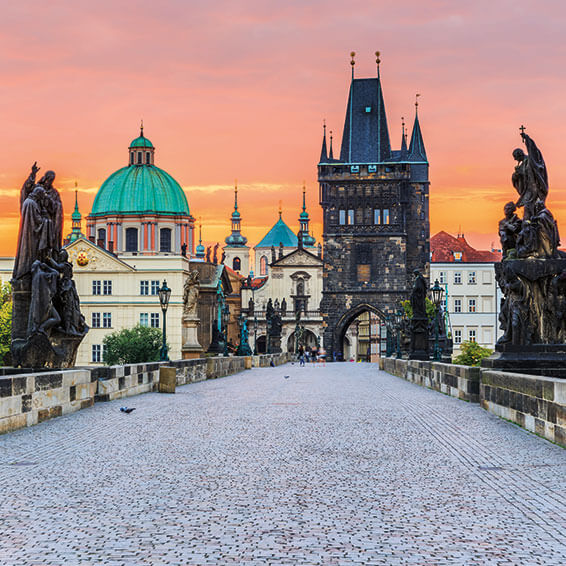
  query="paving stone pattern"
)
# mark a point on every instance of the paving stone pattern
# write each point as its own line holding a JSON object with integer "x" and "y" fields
{"x": 341, "y": 464}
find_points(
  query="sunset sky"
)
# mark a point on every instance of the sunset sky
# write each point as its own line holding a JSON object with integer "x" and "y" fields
{"x": 239, "y": 90}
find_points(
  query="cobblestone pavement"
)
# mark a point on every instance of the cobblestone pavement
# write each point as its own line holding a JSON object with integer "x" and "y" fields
{"x": 337, "y": 465}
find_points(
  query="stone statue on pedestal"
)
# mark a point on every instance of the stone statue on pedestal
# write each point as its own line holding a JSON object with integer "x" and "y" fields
{"x": 191, "y": 347}
{"x": 419, "y": 322}
{"x": 47, "y": 324}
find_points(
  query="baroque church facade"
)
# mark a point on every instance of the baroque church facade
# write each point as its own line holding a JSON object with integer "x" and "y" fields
{"x": 375, "y": 203}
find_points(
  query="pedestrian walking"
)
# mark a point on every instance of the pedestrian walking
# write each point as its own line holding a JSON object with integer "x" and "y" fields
{"x": 322, "y": 356}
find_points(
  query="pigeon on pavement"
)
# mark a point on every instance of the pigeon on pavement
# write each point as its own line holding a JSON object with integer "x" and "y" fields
{"x": 127, "y": 409}
{"x": 286, "y": 376}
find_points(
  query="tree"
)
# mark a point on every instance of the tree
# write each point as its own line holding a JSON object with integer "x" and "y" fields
{"x": 5, "y": 321}
{"x": 472, "y": 354}
{"x": 430, "y": 309}
{"x": 132, "y": 345}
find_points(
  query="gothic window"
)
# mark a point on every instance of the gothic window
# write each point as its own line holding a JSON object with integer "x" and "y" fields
{"x": 386, "y": 216}
{"x": 131, "y": 239}
{"x": 342, "y": 217}
{"x": 263, "y": 265}
{"x": 236, "y": 264}
{"x": 377, "y": 216}
{"x": 351, "y": 219}
{"x": 165, "y": 240}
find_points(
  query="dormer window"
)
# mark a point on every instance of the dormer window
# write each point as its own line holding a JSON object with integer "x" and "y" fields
{"x": 457, "y": 256}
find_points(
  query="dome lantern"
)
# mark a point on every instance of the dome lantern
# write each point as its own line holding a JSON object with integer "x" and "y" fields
{"x": 141, "y": 150}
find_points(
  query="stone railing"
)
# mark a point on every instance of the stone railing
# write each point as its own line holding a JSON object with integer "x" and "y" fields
{"x": 534, "y": 402}
{"x": 28, "y": 399}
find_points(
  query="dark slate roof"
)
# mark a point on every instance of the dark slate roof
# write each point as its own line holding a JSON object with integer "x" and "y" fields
{"x": 365, "y": 138}
{"x": 323, "y": 151}
{"x": 416, "y": 147}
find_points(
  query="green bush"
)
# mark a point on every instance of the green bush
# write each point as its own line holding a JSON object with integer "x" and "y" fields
{"x": 5, "y": 321}
{"x": 429, "y": 305}
{"x": 132, "y": 345}
{"x": 472, "y": 354}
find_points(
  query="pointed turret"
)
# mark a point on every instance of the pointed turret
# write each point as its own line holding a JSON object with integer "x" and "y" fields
{"x": 416, "y": 147}
{"x": 331, "y": 154}
{"x": 323, "y": 152}
{"x": 404, "y": 152}
{"x": 235, "y": 239}
{"x": 76, "y": 219}
{"x": 304, "y": 237}
{"x": 200, "y": 247}
{"x": 366, "y": 137}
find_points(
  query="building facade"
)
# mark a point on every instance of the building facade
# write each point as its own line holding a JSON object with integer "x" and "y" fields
{"x": 375, "y": 203}
{"x": 472, "y": 296}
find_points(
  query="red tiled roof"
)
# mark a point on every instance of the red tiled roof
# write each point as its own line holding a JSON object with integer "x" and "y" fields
{"x": 443, "y": 246}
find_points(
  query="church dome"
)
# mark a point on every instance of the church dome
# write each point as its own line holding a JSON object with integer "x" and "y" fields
{"x": 141, "y": 141}
{"x": 140, "y": 189}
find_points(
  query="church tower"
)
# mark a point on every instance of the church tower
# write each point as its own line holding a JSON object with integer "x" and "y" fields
{"x": 236, "y": 249}
{"x": 375, "y": 214}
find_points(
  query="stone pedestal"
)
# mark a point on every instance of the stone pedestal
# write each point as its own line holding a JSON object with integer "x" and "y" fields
{"x": 419, "y": 339}
{"x": 167, "y": 379}
{"x": 191, "y": 347}
{"x": 535, "y": 359}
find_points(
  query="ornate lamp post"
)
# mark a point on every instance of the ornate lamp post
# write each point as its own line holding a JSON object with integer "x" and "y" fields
{"x": 437, "y": 291}
{"x": 389, "y": 327}
{"x": 398, "y": 319}
{"x": 225, "y": 321}
{"x": 164, "y": 295}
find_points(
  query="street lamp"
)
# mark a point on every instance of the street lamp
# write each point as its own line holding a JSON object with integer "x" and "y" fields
{"x": 255, "y": 334}
{"x": 398, "y": 320}
{"x": 164, "y": 295}
{"x": 437, "y": 291}
{"x": 389, "y": 327}
{"x": 225, "y": 321}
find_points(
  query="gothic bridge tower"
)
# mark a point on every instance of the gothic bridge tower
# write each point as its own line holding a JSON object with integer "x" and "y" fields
{"x": 375, "y": 214}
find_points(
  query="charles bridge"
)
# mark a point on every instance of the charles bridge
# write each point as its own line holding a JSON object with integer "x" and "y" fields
{"x": 342, "y": 464}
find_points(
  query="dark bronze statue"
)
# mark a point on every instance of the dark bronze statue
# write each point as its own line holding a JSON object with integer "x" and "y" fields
{"x": 47, "y": 324}
{"x": 215, "y": 256}
{"x": 208, "y": 254}
{"x": 509, "y": 228}
{"x": 419, "y": 321}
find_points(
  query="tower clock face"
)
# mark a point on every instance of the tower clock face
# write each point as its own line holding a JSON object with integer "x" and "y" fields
{"x": 82, "y": 259}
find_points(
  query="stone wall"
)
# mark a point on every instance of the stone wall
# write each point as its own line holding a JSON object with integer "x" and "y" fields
{"x": 28, "y": 399}
{"x": 462, "y": 382}
{"x": 533, "y": 402}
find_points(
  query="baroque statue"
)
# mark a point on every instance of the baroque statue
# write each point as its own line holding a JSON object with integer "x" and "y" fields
{"x": 47, "y": 324}
{"x": 190, "y": 293}
{"x": 419, "y": 321}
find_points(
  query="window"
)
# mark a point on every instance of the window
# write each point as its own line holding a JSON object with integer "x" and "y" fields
{"x": 147, "y": 158}
{"x": 106, "y": 320}
{"x": 457, "y": 278}
{"x": 386, "y": 216}
{"x": 377, "y": 216}
{"x": 351, "y": 218}
{"x": 372, "y": 168}
{"x": 457, "y": 256}
{"x": 132, "y": 158}
{"x": 236, "y": 264}
{"x": 457, "y": 305}
{"x": 144, "y": 319}
{"x": 263, "y": 265}
{"x": 471, "y": 305}
{"x": 472, "y": 335}
{"x": 342, "y": 217}
{"x": 96, "y": 287}
{"x": 471, "y": 277}
{"x": 442, "y": 277}
{"x": 144, "y": 287}
{"x": 131, "y": 239}
{"x": 101, "y": 236}
{"x": 457, "y": 336}
{"x": 154, "y": 318}
{"x": 96, "y": 353}
{"x": 165, "y": 240}
{"x": 107, "y": 287}
{"x": 355, "y": 169}
{"x": 139, "y": 157}
{"x": 155, "y": 287}
{"x": 95, "y": 320}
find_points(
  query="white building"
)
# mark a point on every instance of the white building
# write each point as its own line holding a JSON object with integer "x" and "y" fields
{"x": 472, "y": 296}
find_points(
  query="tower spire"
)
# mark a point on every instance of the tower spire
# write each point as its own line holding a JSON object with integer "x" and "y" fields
{"x": 235, "y": 239}
{"x": 304, "y": 192}
{"x": 353, "y": 62}
{"x": 417, "y": 150}
{"x": 304, "y": 237}
{"x": 141, "y": 129}
{"x": 377, "y": 62}
{"x": 236, "y": 194}
{"x": 404, "y": 152}
{"x": 323, "y": 152}
{"x": 331, "y": 154}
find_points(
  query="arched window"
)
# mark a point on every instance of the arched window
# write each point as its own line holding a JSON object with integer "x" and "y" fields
{"x": 131, "y": 239}
{"x": 236, "y": 264}
{"x": 263, "y": 265}
{"x": 148, "y": 158}
{"x": 101, "y": 236}
{"x": 165, "y": 240}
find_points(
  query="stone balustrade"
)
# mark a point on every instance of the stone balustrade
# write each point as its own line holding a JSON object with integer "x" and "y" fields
{"x": 30, "y": 398}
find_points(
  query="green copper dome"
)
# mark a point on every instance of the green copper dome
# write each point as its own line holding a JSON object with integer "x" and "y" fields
{"x": 140, "y": 189}
{"x": 141, "y": 141}
{"x": 279, "y": 234}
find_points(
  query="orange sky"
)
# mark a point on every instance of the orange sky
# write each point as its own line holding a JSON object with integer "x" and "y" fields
{"x": 240, "y": 89}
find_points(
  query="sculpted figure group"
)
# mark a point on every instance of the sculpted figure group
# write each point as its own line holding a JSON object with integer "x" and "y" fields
{"x": 532, "y": 275}
{"x": 47, "y": 322}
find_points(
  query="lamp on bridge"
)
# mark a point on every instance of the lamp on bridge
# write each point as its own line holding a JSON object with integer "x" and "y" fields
{"x": 398, "y": 319}
{"x": 164, "y": 294}
{"x": 436, "y": 292}
{"x": 225, "y": 321}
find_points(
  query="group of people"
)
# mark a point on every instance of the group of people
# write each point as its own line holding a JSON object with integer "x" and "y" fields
{"x": 312, "y": 355}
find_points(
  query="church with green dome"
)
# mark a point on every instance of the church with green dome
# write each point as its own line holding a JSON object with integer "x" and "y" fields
{"x": 141, "y": 209}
